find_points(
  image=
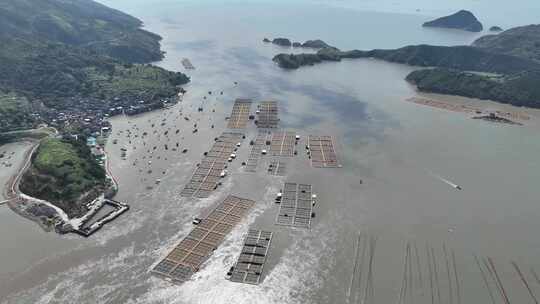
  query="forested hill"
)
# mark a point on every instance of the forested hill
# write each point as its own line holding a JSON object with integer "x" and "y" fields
{"x": 81, "y": 23}
{"x": 55, "y": 51}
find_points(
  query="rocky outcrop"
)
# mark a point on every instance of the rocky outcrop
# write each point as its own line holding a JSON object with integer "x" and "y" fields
{"x": 495, "y": 29}
{"x": 315, "y": 44}
{"x": 282, "y": 42}
{"x": 462, "y": 20}
{"x": 266, "y": 40}
{"x": 292, "y": 61}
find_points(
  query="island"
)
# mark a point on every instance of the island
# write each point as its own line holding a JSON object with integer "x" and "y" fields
{"x": 495, "y": 29}
{"x": 491, "y": 68}
{"x": 282, "y": 42}
{"x": 67, "y": 66}
{"x": 462, "y": 20}
{"x": 314, "y": 44}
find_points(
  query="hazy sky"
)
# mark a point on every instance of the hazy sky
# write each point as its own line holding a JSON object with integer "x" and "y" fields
{"x": 490, "y": 12}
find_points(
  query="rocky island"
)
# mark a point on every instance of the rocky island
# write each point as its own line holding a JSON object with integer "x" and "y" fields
{"x": 314, "y": 44}
{"x": 462, "y": 20}
{"x": 491, "y": 68}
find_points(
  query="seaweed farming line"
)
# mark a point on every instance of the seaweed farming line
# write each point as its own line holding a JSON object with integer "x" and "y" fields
{"x": 361, "y": 287}
{"x": 434, "y": 276}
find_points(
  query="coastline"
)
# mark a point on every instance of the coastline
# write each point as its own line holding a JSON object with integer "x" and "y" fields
{"x": 20, "y": 202}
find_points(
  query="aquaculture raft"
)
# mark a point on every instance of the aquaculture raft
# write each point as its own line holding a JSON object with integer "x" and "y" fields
{"x": 268, "y": 115}
{"x": 249, "y": 267}
{"x": 256, "y": 151}
{"x": 296, "y": 206}
{"x": 322, "y": 152}
{"x": 277, "y": 168}
{"x": 187, "y": 257}
{"x": 283, "y": 144}
{"x": 240, "y": 114}
{"x": 206, "y": 177}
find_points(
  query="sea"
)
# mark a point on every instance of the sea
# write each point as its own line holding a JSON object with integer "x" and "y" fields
{"x": 421, "y": 239}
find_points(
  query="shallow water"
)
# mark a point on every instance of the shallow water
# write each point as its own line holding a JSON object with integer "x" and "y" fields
{"x": 395, "y": 147}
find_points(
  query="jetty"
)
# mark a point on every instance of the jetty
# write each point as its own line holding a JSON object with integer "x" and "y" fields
{"x": 102, "y": 212}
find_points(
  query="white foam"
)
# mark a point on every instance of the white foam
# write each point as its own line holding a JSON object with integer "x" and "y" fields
{"x": 297, "y": 274}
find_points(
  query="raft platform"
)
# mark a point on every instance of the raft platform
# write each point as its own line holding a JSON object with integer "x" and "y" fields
{"x": 322, "y": 152}
{"x": 240, "y": 114}
{"x": 256, "y": 151}
{"x": 249, "y": 267}
{"x": 296, "y": 206}
{"x": 278, "y": 168}
{"x": 188, "y": 256}
{"x": 283, "y": 144}
{"x": 208, "y": 174}
{"x": 268, "y": 115}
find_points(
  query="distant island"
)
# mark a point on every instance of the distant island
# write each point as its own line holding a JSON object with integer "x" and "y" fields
{"x": 495, "y": 29}
{"x": 314, "y": 44}
{"x": 462, "y": 20}
{"x": 66, "y": 66}
{"x": 491, "y": 68}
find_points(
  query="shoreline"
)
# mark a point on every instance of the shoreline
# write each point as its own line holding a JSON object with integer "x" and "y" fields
{"x": 15, "y": 197}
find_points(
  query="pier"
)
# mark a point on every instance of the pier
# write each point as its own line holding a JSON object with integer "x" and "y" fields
{"x": 99, "y": 216}
{"x": 249, "y": 267}
{"x": 188, "y": 256}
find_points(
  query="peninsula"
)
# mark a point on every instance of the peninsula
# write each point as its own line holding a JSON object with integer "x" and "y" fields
{"x": 490, "y": 68}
